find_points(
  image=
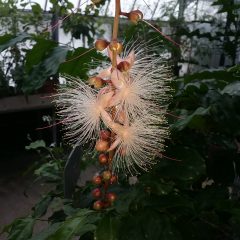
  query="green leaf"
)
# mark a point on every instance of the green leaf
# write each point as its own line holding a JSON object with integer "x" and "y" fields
{"x": 125, "y": 199}
{"x": 195, "y": 120}
{"x": 190, "y": 167}
{"x": 44, "y": 234}
{"x": 157, "y": 187}
{"x": 107, "y": 228}
{"x": 36, "y": 9}
{"x": 232, "y": 89}
{"x": 20, "y": 229}
{"x": 35, "y": 145}
{"x": 147, "y": 224}
{"x": 41, "y": 207}
{"x": 9, "y": 40}
{"x": 214, "y": 74}
{"x": 83, "y": 222}
{"x": 38, "y": 53}
{"x": 50, "y": 170}
{"x": 78, "y": 61}
{"x": 43, "y": 70}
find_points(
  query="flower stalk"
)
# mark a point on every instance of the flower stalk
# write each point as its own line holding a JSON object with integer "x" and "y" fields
{"x": 114, "y": 65}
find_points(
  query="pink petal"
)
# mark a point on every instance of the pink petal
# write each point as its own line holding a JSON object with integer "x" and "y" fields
{"x": 116, "y": 99}
{"x": 104, "y": 99}
{"x": 108, "y": 121}
{"x": 105, "y": 73}
{"x": 104, "y": 90}
{"x": 106, "y": 118}
{"x": 114, "y": 144}
{"x": 117, "y": 79}
{"x": 121, "y": 117}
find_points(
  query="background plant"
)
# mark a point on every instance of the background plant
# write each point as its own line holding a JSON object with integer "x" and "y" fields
{"x": 191, "y": 194}
{"x": 30, "y": 54}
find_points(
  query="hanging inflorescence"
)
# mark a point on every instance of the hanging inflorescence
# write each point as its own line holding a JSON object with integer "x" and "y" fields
{"x": 125, "y": 102}
{"x": 129, "y": 101}
{"x": 121, "y": 109}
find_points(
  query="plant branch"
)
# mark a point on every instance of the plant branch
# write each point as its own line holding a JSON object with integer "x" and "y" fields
{"x": 114, "y": 63}
{"x": 116, "y": 20}
{"x": 115, "y": 31}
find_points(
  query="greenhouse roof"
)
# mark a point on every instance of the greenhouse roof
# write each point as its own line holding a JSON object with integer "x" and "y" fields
{"x": 152, "y": 9}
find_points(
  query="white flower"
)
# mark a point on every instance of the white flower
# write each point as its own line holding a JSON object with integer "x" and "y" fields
{"x": 132, "y": 105}
{"x": 80, "y": 107}
{"x": 137, "y": 143}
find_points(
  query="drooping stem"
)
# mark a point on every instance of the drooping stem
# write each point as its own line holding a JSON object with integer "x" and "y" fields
{"x": 115, "y": 30}
{"x": 114, "y": 65}
{"x": 116, "y": 20}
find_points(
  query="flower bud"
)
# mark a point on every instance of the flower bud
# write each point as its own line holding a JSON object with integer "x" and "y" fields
{"x": 96, "y": 193}
{"x": 96, "y": 82}
{"x": 97, "y": 180}
{"x": 123, "y": 66}
{"x": 105, "y": 134}
{"x": 98, "y": 205}
{"x": 106, "y": 175}
{"x": 135, "y": 16}
{"x": 103, "y": 159}
{"x": 116, "y": 47}
{"x": 102, "y": 145}
{"x": 111, "y": 197}
{"x": 101, "y": 44}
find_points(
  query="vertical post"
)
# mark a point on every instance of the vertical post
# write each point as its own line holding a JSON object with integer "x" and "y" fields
{"x": 155, "y": 9}
{"x": 54, "y": 25}
{"x": 55, "y": 37}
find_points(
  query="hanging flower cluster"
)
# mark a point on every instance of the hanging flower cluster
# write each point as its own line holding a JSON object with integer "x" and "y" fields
{"x": 122, "y": 108}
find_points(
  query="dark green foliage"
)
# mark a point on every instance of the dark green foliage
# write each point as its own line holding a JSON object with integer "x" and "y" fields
{"x": 29, "y": 60}
{"x": 184, "y": 197}
{"x": 46, "y": 59}
{"x": 21, "y": 229}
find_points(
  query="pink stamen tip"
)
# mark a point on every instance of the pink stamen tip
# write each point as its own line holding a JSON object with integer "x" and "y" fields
{"x": 67, "y": 16}
{"x": 169, "y": 158}
{"x": 164, "y": 35}
{"x": 50, "y": 126}
{"x": 48, "y": 96}
{"x": 170, "y": 114}
{"x": 72, "y": 59}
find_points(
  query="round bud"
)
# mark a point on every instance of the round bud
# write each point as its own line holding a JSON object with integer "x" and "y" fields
{"x": 116, "y": 47}
{"x": 135, "y": 16}
{"x": 105, "y": 134}
{"x": 96, "y": 82}
{"x": 111, "y": 197}
{"x": 101, "y": 44}
{"x": 98, "y": 205}
{"x": 97, "y": 180}
{"x": 102, "y": 145}
{"x": 106, "y": 175}
{"x": 96, "y": 193}
{"x": 113, "y": 179}
{"x": 103, "y": 159}
{"x": 123, "y": 66}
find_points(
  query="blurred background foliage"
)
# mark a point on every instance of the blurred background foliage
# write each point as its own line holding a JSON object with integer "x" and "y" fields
{"x": 193, "y": 192}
